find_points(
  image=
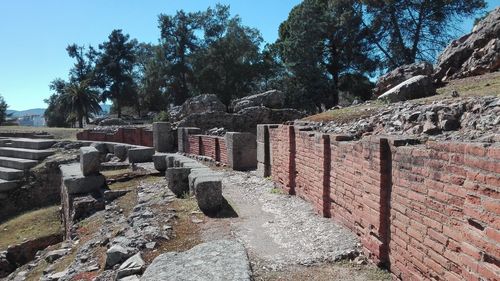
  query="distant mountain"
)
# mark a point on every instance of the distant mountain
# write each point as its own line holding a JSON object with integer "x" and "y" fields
{"x": 21, "y": 113}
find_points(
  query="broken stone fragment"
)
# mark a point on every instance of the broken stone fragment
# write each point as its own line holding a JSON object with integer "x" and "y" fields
{"x": 131, "y": 266}
{"x": 115, "y": 255}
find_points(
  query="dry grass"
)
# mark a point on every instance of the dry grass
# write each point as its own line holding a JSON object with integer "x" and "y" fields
{"x": 186, "y": 234}
{"x": 59, "y": 133}
{"x": 33, "y": 224}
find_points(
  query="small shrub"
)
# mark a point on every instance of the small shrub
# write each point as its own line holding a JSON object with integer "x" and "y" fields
{"x": 162, "y": 116}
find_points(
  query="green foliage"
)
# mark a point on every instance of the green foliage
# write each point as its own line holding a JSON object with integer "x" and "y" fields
{"x": 320, "y": 42}
{"x": 404, "y": 31}
{"x": 162, "y": 117}
{"x": 114, "y": 70}
{"x": 3, "y": 110}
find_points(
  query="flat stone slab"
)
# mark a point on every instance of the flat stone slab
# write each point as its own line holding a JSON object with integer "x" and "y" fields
{"x": 10, "y": 174}
{"x": 8, "y": 185}
{"x": 37, "y": 144}
{"x": 216, "y": 260}
{"x": 24, "y": 153}
{"x": 77, "y": 183}
{"x": 17, "y": 163}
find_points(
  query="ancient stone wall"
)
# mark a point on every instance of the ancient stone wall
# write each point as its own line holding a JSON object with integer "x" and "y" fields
{"x": 136, "y": 136}
{"x": 423, "y": 210}
{"x": 210, "y": 146}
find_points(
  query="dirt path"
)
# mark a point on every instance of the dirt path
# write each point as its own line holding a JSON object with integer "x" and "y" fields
{"x": 284, "y": 237}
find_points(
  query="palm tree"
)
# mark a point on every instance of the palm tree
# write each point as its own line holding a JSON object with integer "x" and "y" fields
{"x": 80, "y": 101}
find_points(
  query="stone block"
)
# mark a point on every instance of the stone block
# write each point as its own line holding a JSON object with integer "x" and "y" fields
{"x": 169, "y": 159}
{"x": 141, "y": 155}
{"x": 163, "y": 137}
{"x": 90, "y": 160}
{"x": 197, "y": 172}
{"x": 261, "y": 152}
{"x": 160, "y": 161}
{"x": 263, "y": 170}
{"x": 208, "y": 193}
{"x": 121, "y": 151}
{"x": 101, "y": 147}
{"x": 241, "y": 151}
{"x": 177, "y": 180}
{"x": 182, "y": 135}
{"x": 76, "y": 183}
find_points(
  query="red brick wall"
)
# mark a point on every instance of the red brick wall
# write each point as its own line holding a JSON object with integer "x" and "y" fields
{"x": 136, "y": 136}
{"x": 445, "y": 208}
{"x": 210, "y": 146}
{"x": 425, "y": 211}
{"x": 193, "y": 144}
{"x": 222, "y": 150}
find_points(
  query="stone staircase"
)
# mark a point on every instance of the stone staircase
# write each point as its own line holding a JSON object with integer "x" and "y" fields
{"x": 17, "y": 156}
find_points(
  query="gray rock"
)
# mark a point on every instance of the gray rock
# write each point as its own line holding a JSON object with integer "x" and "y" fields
{"x": 90, "y": 161}
{"x": 416, "y": 87}
{"x": 113, "y": 122}
{"x": 116, "y": 254}
{"x": 217, "y": 260}
{"x": 130, "y": 278}
{"x": 198, "y": 104}
{"x": 473, "y": 54}
{"x": 208, "y": 193}
{"x": 55, "y": 254}
{"x": 131, "y": 266}
{"x": 270, "y": 99}
{"x": 401, "y": 74}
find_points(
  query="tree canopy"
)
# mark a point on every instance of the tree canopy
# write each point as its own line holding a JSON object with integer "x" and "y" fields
{"x": 3, "y": 110}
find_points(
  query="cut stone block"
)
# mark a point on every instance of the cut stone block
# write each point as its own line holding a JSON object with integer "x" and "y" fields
{"x": 163, "y": 137}
{"x": 241, "y": 151}
{"x": 121, "y": 151}
{"x": 196, "y": 172}
{"x": 101, "y": 147}
{"x": 17, "y": 163}
{"x": 10, "y": 174}
{"x": 183, "y": 134}
{"x": 25, "y": 153}
{"x": 208, "y": 193}
{"x": 177, "y": 180}
{"x": 160, "y": 161}
{"x": 36, "y": 144}
{"x": 76, "y": 183}
{"x": 8, "y": 185}
{"x": 90, "y": 160}
{"x": 141, "y": 155}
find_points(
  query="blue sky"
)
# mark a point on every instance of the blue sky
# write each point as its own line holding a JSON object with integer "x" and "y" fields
{"x": 34, "y": 34}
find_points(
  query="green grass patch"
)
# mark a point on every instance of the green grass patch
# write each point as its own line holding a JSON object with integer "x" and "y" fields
{"x": 30, "y": 225}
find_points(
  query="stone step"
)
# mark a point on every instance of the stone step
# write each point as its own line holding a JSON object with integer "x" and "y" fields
{"x": 8, "y": 185}
{"x": 25, "y": 153}
{"x": 17, "y": 163}
{"x": 37, "y": 144}
{"x": 10, "y": 174}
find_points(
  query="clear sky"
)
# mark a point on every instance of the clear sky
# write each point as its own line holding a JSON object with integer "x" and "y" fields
{"x": 34, "y": 34}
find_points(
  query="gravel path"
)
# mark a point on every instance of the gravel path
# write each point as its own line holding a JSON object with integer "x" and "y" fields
{"x": 280, "y": 230}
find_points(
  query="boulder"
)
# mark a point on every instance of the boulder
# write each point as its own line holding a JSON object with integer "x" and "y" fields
{"x": 90, "y": 160}
{"x": 270, "y": 99}
{"x": 473, "y": 54}
{"x": 216, "y": 260}
{"x": 401, "y": 74}
{"x": 416, "y": 87}
{"x": 198, "y": 104}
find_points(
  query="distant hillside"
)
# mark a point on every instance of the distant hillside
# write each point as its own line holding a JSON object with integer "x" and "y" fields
{"x": 20, "y": 113}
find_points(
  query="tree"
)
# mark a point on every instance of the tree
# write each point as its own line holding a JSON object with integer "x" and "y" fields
{"x": 320, "y": 42}
{"x": 55, "y": 114}
{"x": 114, "y": 70}
{"x": 178, "y": 40}
{"x": 80, "y": 101}
{"x": 229, "y": 65}
{"x": 149, "y": 74}
{"x": 3, "y": 110}
{"x": 407, "y": 30}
